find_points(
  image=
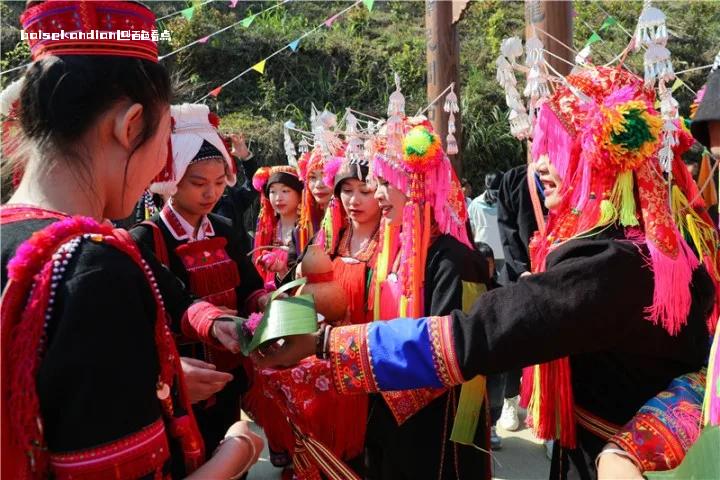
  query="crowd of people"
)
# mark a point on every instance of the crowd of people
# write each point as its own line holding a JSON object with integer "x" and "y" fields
{"x": 582, "y": 285}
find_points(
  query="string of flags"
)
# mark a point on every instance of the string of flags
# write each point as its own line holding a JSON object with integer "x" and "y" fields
{"x": 259, "y": 67}
{"x": 245, "y": 22}
{"x": 187, "y": 12}
{"x": 595, "y": 37}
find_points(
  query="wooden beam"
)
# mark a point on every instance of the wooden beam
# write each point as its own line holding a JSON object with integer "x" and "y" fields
{"x": 556, "y": 18}
{"x": 443, "y": 61}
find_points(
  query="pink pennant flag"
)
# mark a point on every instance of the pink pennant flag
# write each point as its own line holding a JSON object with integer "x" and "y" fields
{"x": 215, "y": 92}
{"x": 330, "y": 21}
{"x": 204, "y": 39}
{"x": 233, "y": 3}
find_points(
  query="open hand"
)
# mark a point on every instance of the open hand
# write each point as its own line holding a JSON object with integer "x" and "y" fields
{"x": 225, "y": 331}
{"x": 202, "y": 379}
{"x": 239, "y": 148}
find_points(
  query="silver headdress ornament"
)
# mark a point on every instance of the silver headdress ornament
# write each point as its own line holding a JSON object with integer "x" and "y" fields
{"x": 451, "y": 106}
{"x": 290, "y": 151}
{"x": 355, "y": 149}
{"x": 651, "y": 27}
{"x": 511, "y": 49}
{"x": 394, "y": 125}
{"x": 536, "y": 86}
{"x": 651, "y": 33}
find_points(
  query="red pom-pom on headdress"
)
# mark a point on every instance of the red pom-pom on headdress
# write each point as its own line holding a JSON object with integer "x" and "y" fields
{"x": 260, "y": 178}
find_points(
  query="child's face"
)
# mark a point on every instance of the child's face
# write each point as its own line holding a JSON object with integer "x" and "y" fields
{"x": 283, "y": 199}
{"x": 201, "y": 187}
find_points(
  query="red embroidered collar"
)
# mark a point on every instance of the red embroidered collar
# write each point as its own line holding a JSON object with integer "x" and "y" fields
{"x": 11, "y": 213}
{"x": 181, "y": 229}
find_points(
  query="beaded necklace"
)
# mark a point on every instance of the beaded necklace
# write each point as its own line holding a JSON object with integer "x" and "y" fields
{"x": 367, "y": 248}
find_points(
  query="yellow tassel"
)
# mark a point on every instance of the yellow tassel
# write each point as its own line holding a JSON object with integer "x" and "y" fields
{"x": 608, "y": 214}
{"x": 704, "y": 236}
{"x": 534, "y": 404}
{"x": 403, "y": 306}
{"x": 382, "y": 270}
{"x": 694, "y": 232}
{"x": 624, "y": 199}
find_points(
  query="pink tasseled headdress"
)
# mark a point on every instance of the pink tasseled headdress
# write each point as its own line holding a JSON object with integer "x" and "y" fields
{"x": 435, "y": 200}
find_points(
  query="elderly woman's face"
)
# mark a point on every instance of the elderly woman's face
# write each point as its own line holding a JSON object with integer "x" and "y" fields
{"x": 551, "y": 182}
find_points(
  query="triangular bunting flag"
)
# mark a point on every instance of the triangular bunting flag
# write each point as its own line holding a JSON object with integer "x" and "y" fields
{"x": 678, "y": 83}
{"x": 609, "y": 22}
{"x": 259, "y": 67}
{"x": 330, "y": 21}
{"x": 247, "y": 21}
{"x": 204, "y": 39}
{"x": 188, "y": 13}
{"x": 294, "y": 45}
{"x": 233, "y": 3}
{"x": 594, "y": 38}
{"x": 369, "y": 4}
{"x": 215, "y": 92}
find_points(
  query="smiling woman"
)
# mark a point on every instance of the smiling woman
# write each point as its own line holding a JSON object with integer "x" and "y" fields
{"x": 551, "y": 182}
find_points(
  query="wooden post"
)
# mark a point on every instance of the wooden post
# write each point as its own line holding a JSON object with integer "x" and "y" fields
{"x": 443, "y": 60}
{"x": 555, "y": 18}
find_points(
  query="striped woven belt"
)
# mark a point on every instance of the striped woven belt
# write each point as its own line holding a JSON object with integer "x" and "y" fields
{"x": 598, "y": 426}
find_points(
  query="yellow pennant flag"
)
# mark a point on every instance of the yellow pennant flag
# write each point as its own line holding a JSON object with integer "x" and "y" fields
{"x": 259, "y": 67}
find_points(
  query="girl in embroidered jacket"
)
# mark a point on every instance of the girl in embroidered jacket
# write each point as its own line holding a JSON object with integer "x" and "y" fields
{"x": 277, "y": 242}
{"x": 610, "y": 227}
{"x": 91, "y": 380}
{"x": 423, "y": 268}
{"x": 203, "y": 251}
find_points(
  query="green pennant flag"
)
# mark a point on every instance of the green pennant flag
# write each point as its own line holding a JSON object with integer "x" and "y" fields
{"x": 609, "y": 22}
{"x": 594, "y": 38}
{"x": 188, "y": 13}
{"x": 677, "y": 84}
{"x": 369, "y": 4}
{"x": 247, "y": 21}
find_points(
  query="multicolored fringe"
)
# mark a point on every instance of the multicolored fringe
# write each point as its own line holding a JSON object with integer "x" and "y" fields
{"x": 711, "y": 402}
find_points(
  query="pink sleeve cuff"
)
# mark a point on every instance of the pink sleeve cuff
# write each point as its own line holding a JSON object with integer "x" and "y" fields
{"x": 197, "y": 322}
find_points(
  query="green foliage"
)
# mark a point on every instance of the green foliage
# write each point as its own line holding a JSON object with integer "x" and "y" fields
{"x": 352, "y": 63}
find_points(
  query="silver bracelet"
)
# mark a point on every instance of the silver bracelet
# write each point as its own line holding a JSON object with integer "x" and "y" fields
{"x": 326, "y": 342}
{"x": 620, "y": 452}
{"x": 253, "y": 451}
